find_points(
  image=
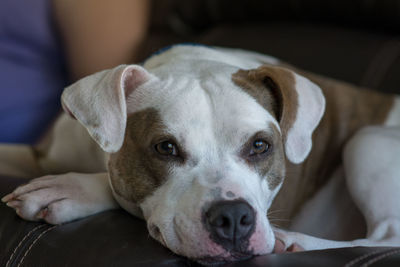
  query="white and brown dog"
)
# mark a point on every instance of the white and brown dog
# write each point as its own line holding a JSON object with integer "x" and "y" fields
{"x": 198, "y": 141}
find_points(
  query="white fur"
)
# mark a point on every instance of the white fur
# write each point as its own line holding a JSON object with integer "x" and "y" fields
{"x": 211, "y": 118}
{"x": 98, "y": 103}
{"x": 60, "y": 198}
{"x": 235, "y": 57}
{"x": 371, "y": 167}
{"x": 394, "y": 116}
{"x": 311, "y": 107}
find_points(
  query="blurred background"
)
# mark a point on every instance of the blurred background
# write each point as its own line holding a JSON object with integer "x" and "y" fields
{"x": 46, "y": 45}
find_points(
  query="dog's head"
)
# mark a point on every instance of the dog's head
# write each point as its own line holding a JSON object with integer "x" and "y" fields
{"x": 198, "y": 147}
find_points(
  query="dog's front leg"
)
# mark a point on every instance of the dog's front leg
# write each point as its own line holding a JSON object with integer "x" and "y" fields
{"x": 287, "y": 241}
{"x": 293, "y": 241}
{"x": 62, "y": 198}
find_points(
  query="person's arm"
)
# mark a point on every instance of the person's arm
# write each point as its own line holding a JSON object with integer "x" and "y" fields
{"x": 100, "y": 34}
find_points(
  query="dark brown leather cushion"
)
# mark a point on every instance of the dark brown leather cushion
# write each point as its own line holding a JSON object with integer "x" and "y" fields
{"x": 367, "y": 59}
{"x": 115, "y": 238}
{"x": 198, "y": 15}
{"x": 112, "y": 238}
{"x": 201, "y": 14}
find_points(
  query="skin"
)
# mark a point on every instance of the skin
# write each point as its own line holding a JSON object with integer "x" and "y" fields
{"x": 100, "y": 34}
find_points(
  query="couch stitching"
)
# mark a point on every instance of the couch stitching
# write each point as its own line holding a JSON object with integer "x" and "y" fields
{"x": 363, "y": 257}
{"x": 33, "y": 243}
{"x": 381, "y": 257}
{"x": 20, "y": 243}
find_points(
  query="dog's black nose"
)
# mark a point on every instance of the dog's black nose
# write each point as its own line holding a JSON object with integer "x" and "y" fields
{"x": 230, "y": 223}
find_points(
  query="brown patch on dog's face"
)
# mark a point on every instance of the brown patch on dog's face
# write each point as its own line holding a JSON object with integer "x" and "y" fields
{"x": 269, "y": 164}
{"x": 136, "y": 170}
{"x": 274, "y": 89}
{"x": 263, "y": 93}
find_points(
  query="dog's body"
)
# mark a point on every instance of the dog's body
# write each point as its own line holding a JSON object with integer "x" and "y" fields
{"x": 197, "y": 143}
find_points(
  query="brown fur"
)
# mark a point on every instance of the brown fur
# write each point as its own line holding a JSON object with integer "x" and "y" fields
{"x": 136, "y": 170}
{"x": 269, "y": 164}
{"x": 348, "y": 109}
{"x": 252, "y": 85}
{"x": 280, "y": 99}
{"x": 273, "y": 168}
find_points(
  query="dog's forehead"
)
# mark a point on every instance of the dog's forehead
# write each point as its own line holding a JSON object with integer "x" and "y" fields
{"x": 213, "y": 107}
{"x": 197, "y": 99}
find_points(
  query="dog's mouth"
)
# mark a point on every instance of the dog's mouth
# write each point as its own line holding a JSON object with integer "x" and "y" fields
{"x": 220, "y": 260}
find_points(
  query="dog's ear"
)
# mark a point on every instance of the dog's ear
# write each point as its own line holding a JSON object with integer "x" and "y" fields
{"x": 299, "y": 107}
{"x": 98, "y": 102}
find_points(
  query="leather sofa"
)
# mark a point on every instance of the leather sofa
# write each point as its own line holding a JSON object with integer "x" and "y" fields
{"x": 115, "y": 238}
{"x": 357, "y": 42}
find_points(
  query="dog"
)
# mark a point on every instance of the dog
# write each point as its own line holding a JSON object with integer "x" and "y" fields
{"x": 198, "y": 141}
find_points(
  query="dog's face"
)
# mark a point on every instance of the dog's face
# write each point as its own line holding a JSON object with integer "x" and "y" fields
{"x": 203, "y": 161}
{"x": 202, "y": 155}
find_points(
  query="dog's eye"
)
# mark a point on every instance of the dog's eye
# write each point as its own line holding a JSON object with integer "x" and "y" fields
{"x": 167, "y": 148}
{"x": 259, "y": 147}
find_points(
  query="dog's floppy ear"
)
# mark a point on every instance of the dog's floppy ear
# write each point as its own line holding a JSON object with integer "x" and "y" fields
{"x": 98, "y": 102}
{"x": 300, "y": 106}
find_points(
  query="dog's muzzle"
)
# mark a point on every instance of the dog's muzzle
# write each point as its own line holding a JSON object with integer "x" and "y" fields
{"x": 230, "y": 224}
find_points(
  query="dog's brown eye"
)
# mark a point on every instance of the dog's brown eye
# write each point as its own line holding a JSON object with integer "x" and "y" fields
{"x": 259, "y": 147}
{"x": 167, "y": 148}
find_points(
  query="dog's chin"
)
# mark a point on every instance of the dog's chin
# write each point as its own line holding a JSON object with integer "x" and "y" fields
{"x": 221, "y": 260}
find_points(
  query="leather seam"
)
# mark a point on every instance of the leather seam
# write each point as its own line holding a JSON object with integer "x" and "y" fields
{"x": 365, "y": 256}
{"x": 20, "y": 243}
{"x": 33, "y": 243}
{"x": 381, "y": 257}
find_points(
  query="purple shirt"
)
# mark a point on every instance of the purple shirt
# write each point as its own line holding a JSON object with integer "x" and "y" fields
{"x": 32, "y": 70}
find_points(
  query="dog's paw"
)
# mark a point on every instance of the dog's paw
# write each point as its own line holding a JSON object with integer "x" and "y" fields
{"x": 62, "y": 198}
{"x": 286, "y": 242}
